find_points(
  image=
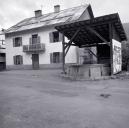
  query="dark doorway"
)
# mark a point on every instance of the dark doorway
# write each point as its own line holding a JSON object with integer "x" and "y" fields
{"x": 103, "y": 52}
{"x": 35, "y": 61}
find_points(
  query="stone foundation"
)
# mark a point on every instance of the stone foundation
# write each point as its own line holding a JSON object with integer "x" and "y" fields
{"x": 29, "y": 67}
{"x": 88, "y": 71}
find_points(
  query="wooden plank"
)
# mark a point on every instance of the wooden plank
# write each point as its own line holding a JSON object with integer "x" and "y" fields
{"x": 63, "y": 53}
{"x": 111, "y": 50}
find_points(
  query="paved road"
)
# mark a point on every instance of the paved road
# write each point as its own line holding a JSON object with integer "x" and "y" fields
{"x": 41, "y": 99}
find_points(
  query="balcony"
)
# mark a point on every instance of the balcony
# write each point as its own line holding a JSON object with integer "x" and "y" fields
{"x": 34, "y": 48}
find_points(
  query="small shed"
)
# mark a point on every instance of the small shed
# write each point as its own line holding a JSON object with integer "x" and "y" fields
{"x": 106, "y": 33}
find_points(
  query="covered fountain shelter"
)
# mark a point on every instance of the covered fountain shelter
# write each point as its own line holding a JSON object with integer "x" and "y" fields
{"x": 106, "y": 33}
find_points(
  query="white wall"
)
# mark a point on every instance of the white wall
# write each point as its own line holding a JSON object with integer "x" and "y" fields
{"x": 44, "y": 58}
{"x": 11, "y": 51}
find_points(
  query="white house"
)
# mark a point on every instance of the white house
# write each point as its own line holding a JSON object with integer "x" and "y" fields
{"x": 35, "y": 43}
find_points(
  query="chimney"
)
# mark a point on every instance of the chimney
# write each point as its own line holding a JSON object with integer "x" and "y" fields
{"x": 38, "y": 13}
{"x": 57, "y": 8}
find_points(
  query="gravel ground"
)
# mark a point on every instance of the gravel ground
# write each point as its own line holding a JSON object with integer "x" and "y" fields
{"x": 42, "y": 99}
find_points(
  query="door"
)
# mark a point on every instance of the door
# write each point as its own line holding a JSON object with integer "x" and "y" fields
{"x": 34, "y": 39}
{"x": 35, "y": 61}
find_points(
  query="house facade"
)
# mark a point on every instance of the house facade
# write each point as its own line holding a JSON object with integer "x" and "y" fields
{"x": 2, "y": 51}
{"x": 35, "y": 43}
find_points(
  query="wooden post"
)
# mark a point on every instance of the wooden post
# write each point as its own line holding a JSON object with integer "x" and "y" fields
{"x": 97, "y": 53}
{"x": 111, "y": 50}
{"x": 71, "y": 40}
{"x": 63, "y": 50}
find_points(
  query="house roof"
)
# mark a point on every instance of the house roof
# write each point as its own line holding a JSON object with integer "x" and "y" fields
{"x": 100, "y": 24}
{"x": 64, "y": 16}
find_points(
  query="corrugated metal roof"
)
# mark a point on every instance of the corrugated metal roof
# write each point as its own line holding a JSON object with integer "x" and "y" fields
{"x": 64, "y": 16}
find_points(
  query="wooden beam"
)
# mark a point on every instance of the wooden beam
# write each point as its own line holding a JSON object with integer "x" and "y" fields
{"x": 75, "y": 34}
{"x": 70, "y": 42}
{"x": 91, "y": 45}
{"x": 92, "y": 53}
{"x": 97, "y": 34}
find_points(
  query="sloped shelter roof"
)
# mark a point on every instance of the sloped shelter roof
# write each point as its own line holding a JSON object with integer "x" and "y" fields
{"x": 64, "y": 16}
{"x": 86, "y": 37}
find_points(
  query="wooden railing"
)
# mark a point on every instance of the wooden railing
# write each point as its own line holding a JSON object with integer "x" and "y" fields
{"x": 34, "y": 48}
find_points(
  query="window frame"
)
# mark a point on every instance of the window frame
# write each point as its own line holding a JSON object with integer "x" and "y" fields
{"x": 57, "y": 39}
{"x": 17, "y": 41}
{"x": 55, "y": 36}
{"x": 18, "y": 59}
{"x": 54, "y": 59}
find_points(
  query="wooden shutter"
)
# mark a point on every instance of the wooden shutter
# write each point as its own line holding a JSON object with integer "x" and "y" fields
{"x": 30, "y": 40}
{"x": 60, "y": 37}
{"x": 38, "y": 39}
{"x": 21, "y": 59}
{"x": 20, "y": 41}
{"x": 51, "y": 37}
{"x": 61, "y": 57}
{"x": 51, "y": 58}
{"x": 14, "y": 59}
{"x": 13, "y": 42}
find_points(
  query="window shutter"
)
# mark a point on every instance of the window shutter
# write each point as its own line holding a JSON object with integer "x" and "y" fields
{"x": 14, "y": 59}
{"x": 13, "y": 42}
{"x": 60, "y": 37}
{"x": 61, "y": 57}
{"x": 51, "y": 37}
{"x": 51, "y": 58}
{"x": 30, "y": 40}
{"x": 38, "y": 39}
{"x": 20, "y": 41}
{"x": 21, "y": 59}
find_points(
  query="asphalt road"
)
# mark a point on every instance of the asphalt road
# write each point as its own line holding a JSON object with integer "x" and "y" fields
{"x": 42, "y": 99}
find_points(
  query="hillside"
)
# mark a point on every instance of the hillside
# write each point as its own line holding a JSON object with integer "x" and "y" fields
{"x": 126, "y": 28}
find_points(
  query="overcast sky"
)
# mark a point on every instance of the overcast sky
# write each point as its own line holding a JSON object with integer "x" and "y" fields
{"x": 13, "y": 11}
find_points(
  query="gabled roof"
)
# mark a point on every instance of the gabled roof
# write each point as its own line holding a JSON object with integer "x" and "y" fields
{"x": 64, "y": 16}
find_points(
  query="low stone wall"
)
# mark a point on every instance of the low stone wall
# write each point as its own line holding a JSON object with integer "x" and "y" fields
{"x": 88, "y": 71}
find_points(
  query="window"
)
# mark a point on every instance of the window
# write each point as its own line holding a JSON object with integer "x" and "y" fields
{"x": 18, "y": 60}
{"x": 35, "y": 39}
{"x": 56, "y": 57}
{"x": 3, "y": 42}
{"x": 17, "y": 41}
{"x": 55, "y": 37}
